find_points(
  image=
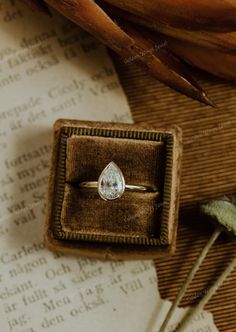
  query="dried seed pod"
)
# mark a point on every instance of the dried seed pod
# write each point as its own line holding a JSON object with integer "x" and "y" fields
{"x": 37, "y": 5}
{"x": 225, "y": 42}
{"x": 158, "y": 61}
{"x": 131, "y": 44}
{"x": 223, "y": 65}
{"x": 169, "y": 18}
{"x": 217, "y": 15}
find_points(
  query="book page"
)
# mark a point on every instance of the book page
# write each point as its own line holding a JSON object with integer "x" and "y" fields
{"x": 50, "y": 69}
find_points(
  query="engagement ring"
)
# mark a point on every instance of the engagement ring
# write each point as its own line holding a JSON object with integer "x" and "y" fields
{"x": 111, "y": 184}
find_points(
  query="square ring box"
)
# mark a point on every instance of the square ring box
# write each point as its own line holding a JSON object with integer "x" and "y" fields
{"x": 138, "y": 225}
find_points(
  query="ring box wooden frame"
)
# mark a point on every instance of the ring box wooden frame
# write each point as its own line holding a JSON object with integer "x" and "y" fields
{"x": 136, "y": 226}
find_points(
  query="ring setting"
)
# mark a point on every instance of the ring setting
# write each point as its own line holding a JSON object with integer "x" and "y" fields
{"x": 111, "y": 184}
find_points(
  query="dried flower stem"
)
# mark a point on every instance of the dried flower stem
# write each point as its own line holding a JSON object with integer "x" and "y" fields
{"x": 207, "y": 297}
{"x": 190, "y": 277}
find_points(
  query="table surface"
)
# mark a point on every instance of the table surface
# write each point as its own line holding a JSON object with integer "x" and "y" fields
{"x": 208, "y": 171}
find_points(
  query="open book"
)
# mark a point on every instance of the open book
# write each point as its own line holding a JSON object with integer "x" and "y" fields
{"x": 50, "y": 69}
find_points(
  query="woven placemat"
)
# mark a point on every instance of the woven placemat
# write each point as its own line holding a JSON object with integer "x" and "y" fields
{"x": 208, "y": 171}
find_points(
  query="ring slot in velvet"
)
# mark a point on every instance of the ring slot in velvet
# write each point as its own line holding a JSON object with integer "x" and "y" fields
{"x": 136, "y": 213}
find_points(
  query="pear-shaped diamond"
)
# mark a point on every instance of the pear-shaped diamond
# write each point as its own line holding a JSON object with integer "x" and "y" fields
{"x": 111, "y": 183}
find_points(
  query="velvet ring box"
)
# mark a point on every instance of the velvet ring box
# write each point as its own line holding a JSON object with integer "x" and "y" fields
{"x": 139, "y": 225}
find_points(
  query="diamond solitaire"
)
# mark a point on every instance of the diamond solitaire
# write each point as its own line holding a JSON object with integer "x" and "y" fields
{"x": 111, "y": 184}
